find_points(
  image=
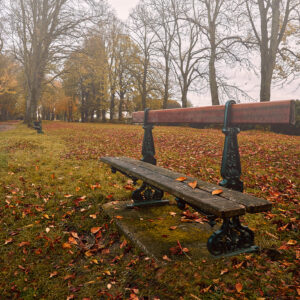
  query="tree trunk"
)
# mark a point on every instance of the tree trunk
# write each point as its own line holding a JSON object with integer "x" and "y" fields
{"x": 184, "y": 97}
{"x": 112, "y": 106}
{"x": 213, "y": 81}
{"x": 121, "y": 105}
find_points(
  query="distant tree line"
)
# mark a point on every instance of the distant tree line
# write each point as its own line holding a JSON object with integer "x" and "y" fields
{"x": 73, "y": 60}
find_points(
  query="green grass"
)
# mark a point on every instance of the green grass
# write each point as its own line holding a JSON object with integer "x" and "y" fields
{"x": 52, "y": 187}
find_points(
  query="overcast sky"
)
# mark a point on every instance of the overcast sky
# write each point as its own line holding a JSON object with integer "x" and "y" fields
{"x": 123, "y": 7}
{"x": 245, "y": 79}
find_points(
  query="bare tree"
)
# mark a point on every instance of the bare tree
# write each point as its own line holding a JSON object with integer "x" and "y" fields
{"x": 269, "y": 21}
{"x": 216, "y": 21}
{"x": 187, "y": 52}
{"x": 42, "y": 32}
{"x": 144, "y": 37}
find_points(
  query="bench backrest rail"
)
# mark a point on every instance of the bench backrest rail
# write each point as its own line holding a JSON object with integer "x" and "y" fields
{"x": 231, "y": 114}
{"x": 275, "y": 112}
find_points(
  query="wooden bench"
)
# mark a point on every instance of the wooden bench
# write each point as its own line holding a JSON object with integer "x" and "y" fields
{"x": 231, "y": 203}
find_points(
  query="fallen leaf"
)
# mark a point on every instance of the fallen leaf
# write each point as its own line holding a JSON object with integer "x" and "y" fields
{"x": 217, "y": 192}
{"x": 72, "y": 240}
{"x": 109, "y": 286}
{"x": 173, "y": 227}
{"x": 93, "y": 216}
{"x": 47, "y": 229}
{"x": 238, "y": 287}
{"x": 119, "y": 217}
{"x": 205, "y": 290}
{"x": 74, "y": 234}
{"x": 181, "y": 178}
{"x": 185, "y": 250}
{"x": 193, "y": 184}
{"x": 46, "y": 216}
{"x": 165, "y": 257}
{"x": 8, "y": 241}
{"x": 88, "y": 253}
{"x": 224, "y": 271}
{"x": 53, "y": 274}
{"x": 292, "y": 242}
{"x": 68, "y": 196}
{"x": 22, "y": 244}
{"x": 66, "y": 246}
{"x": 172, "y": 213}
{"x": 95, "y": 229}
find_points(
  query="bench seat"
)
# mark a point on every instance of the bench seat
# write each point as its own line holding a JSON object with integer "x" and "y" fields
{"x": 228, "y": 204}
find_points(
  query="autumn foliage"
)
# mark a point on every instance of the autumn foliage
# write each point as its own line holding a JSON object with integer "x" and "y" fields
{"x": 55, "y": 239}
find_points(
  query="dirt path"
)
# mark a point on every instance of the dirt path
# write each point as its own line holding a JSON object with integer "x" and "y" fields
{"x": 4, "y": 126}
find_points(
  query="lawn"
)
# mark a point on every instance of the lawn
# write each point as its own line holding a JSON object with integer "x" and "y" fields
{"x": 56, "y": 243}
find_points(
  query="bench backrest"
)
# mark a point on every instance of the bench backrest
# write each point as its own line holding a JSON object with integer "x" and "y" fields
{"x": 275, "y": 112}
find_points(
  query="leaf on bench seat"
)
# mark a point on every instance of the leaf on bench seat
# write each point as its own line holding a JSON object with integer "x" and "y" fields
{"x": 181, "y": 178}
{"x": 193, "y": 184}
{"x": 217, "y": 192}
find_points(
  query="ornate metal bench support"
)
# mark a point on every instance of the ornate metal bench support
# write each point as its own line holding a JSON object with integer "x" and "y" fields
{"x": 231, "y": 239}
{"x": 231, "y": 165}
{"x": 147, "y": 194}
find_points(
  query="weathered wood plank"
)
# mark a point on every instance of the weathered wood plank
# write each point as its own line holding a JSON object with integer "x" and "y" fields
{"x": 153, "y": 175}
{"x": 251, "y": 203}
{"x": 274, "y": 112}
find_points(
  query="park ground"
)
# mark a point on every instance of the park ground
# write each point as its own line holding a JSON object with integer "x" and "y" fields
{"x": 56, "y": 242}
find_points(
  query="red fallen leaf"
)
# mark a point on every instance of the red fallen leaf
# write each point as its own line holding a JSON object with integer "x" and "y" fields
{"x": 238, "y": 287}
{"x": 181, "y": 179}
{"x": 164, "y": 235}
{"x": 22, "y": 244}
{"x": 123, "y": 244}
{"x": 105, "y": 251}
{"x": 38, "y": 251}
{"x": 193, "y": 184}
{"x": 52, "y": 176}
{"x": 8, "y": 241}
{"x": 217, "y": 192}
{"x": 95, "y": 229}
{"x": 53, "y": 274}
{"x": 66, "y": 246}
{"x": 165, "y": 257}
{"x": 109, "y": 197}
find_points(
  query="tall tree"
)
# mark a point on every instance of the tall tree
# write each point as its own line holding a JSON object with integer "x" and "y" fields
{"x": 269, "y": 21}
{"x": 144, "y": 37}
{"x": 43, "y": 31}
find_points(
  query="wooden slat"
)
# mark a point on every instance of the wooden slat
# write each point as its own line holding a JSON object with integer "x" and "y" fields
{"x": 154, "y": 175}
{"x": 252, "y": 204}
{"x": 275, "y": 112}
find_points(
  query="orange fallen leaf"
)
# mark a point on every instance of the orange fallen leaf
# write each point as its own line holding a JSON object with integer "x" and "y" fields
{"x": 95, "y": 229}
{"x": 72, "y": 240}
{"x": 88, "y": 253}
{"x": 74, "y": 234}
{"x": 238, "y": 287}
{"x": 205, "y": 290}
{"x": 217, "y": 192}
{"x": 173, "y": 227}
{"x": 93, "y": 216}
{"x": 53, "y": 274}
{"x": 66, "y": 246}
{"x": 22, "y": 244}
{"x": 185, "y": 250}
{"x": 224, "y": 271}
{"x": 193, "y": 184}
{"x": 292, "y": 242}
{"x": 165, "y": 257}
{"x": 181, "y": 178}
{"x": 8, "y": 241}
{"x": 119, "y": 217}
{"x": 67, "y": 196}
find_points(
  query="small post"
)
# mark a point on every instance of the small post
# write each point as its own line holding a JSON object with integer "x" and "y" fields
{"x": 231, "y": 165}
{"x": 148, "y": 150}
{"x": 37, "y": 125}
